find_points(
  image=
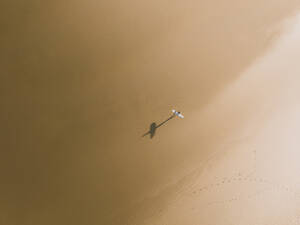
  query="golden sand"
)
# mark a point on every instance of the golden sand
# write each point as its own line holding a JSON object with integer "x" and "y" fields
{"x": 82, "y": 82}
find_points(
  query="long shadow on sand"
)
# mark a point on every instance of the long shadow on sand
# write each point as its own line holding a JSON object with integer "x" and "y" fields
{"x": 153, "y": 127}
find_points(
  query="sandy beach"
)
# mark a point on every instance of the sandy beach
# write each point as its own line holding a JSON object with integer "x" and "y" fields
{"x": 83, "y": 81}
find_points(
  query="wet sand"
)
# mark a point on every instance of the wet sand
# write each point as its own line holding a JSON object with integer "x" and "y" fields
{"x": 82, "y": 82}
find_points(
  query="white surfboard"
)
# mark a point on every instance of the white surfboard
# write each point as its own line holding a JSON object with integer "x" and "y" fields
{"x": 177, "y": 113}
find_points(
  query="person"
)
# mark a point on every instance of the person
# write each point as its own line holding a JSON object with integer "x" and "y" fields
{"x": 177, "y": 113}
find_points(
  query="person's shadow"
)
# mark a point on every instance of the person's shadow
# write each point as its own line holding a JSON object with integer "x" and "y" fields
{"x": 153, "y": 127}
